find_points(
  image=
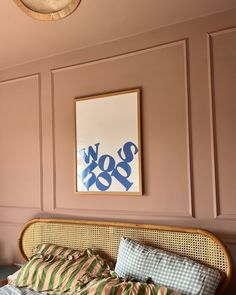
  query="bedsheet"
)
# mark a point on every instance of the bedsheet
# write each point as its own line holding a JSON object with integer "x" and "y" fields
{"x": 8, "y": 289}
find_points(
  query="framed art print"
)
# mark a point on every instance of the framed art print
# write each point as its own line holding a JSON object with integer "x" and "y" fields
{"x": 107, "y": 143}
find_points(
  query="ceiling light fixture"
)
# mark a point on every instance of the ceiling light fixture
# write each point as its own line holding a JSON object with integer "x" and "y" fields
{"x": 48, "y": 9}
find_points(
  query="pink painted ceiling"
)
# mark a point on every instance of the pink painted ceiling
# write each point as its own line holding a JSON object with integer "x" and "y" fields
{"x": 96, "y": 21}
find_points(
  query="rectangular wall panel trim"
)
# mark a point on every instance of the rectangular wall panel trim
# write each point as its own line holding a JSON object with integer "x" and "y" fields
{"x": 216, "y": 194}
{"x": 184, "y": 44}
{"x": 23, "y": 78}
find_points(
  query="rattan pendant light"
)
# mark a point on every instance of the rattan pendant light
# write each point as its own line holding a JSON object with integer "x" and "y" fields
{"x": 48, "y": 9}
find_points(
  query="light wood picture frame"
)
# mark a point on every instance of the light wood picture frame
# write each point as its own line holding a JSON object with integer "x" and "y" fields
{"x": 108, "y": 143}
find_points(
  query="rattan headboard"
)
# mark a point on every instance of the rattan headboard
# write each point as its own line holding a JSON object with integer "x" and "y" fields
{"x": 104, "y": 237}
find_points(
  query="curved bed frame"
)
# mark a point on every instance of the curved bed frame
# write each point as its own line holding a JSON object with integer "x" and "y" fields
{"x": 104, "y": 237}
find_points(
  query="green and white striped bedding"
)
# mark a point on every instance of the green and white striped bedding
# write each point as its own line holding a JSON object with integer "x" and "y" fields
{"x": 110, "y": 285}
{"x": 114, "y": 285}
{"x": 59, "y": 270}
{"x": 55, "y": 275}
{"x": 57, "y": 251}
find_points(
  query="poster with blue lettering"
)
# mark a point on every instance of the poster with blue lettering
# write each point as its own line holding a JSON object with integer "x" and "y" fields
{"x": 107, "y": 143}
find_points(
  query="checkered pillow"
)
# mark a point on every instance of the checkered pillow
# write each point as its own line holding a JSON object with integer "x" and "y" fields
{"x": 173, "y": 271}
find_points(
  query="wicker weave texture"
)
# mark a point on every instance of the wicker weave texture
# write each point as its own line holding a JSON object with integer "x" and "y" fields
{"x": 105, "y": 239}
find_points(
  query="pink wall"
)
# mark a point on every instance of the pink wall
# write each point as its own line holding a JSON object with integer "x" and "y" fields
{"x": 187, "y": 74}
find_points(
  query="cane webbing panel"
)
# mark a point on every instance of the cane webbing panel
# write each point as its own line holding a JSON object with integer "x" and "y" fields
{"x": 105, "y": 237}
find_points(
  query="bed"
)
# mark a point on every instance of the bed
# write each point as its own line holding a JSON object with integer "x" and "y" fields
{"x": 104, "y": 237}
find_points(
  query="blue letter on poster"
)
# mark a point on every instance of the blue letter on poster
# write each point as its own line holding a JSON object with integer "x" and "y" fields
{"x": 106, "y": 167}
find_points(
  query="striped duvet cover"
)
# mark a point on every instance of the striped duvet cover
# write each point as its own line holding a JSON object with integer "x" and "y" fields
{"x": 115, "y": 285}
{"x": 57, "y": 270}
{"x": 111, "y": 285}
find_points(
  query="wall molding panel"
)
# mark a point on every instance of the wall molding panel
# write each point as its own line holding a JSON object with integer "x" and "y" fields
{"x": 183, "y": 44}
{"x": 215, "y": 123}
{"x": 20, "y": 78}
{"x": 188, "y": 128}
{"x": 127, "y": 214}
{"x": 30, "y": 83}
{"x": 76, "y": 65}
